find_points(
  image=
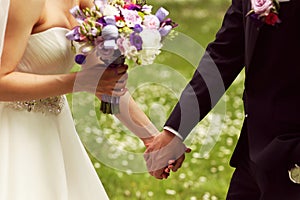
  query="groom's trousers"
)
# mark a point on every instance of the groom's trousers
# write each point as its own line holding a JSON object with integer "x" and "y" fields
{"x": 251, "y": 183}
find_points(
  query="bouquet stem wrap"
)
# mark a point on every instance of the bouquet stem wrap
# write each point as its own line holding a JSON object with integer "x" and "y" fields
{"x": 111, "y": 104}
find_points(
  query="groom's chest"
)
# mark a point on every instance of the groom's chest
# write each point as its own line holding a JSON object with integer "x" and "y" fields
{"x": 278, "y": 40}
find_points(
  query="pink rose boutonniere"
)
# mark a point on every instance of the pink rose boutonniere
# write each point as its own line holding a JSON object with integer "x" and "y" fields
{"x": 265, "y": 11}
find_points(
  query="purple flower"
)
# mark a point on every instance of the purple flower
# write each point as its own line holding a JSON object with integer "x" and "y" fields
{"x": 77, "y": 13}
{"x": 73, "y": 34}
{"x": 137, "y": 28}
{"x": 165, "y": 30}
{"x": 132, "y": 7}
{"x": 102, "y": 21}
{"x": 80, "y": 59}
{"x": 169, "y": 22}
{"x": 110, "y": 20}
{"x": 161, "y": 14}
{"x": 136, "y": 41}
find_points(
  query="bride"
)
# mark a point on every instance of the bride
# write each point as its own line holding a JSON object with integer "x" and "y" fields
{"x": 41, "y": 156}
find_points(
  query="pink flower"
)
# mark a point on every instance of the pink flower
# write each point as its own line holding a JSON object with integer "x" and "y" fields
{"x": 126, "y": 48}
{"x": 120, "y": 43}
{"x": 131, "y": 17}
{"x": 262, "y": 6}
{"x": 266, "y": 11}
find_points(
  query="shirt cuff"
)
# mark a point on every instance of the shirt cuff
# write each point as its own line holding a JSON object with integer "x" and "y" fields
{"x": 173, "y": 131}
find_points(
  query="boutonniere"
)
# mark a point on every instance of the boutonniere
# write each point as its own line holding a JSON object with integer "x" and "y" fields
{"x": 265, "y": 11}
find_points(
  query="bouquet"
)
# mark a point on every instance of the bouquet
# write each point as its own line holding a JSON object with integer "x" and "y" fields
{"x": 119, "y": 30}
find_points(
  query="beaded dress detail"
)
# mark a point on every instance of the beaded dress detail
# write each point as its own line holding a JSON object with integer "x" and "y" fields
{"x": 41, "y": 155}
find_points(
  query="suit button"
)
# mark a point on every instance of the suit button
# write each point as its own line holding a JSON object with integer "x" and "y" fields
{"x": 294, "y": 174}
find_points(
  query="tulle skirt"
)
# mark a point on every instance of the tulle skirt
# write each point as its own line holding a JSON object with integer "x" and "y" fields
{"x": 42, "y": 158}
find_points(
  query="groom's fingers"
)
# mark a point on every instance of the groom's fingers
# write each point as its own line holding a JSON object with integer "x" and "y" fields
{"x": 159, "y": 174}
{"x": 178, "y": 163}
{"x": 153, "y": 167}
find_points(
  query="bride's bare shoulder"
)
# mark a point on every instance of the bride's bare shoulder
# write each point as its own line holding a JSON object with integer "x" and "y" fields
{"x": 27, "y": 12}
{"x": 22, "y": 17}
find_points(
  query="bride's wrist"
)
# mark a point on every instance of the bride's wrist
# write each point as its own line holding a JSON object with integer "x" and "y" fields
{"x": 147, "y": 141}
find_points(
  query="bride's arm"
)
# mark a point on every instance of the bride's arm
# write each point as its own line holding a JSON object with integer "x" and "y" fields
{"x": 130, "y": 114}
{"x": 136, "y": 120}
{"x": 24, "y": 86}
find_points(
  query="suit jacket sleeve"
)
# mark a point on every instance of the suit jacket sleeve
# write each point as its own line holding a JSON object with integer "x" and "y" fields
{"x": 221, "y": 63}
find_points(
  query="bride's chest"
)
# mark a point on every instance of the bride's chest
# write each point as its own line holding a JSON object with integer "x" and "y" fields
{"x": 48, "y": 52}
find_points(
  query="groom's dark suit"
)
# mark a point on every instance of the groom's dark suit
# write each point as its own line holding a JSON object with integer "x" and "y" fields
{"x": 270, "y": 139}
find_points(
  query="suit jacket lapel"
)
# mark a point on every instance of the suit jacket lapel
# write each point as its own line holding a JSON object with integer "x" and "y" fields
{"x": 252, "y": 29}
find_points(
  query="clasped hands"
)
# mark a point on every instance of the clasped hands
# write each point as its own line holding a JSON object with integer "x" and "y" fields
{"x": 164, "y": 153}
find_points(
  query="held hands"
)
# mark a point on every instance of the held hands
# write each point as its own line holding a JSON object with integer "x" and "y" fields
{"x": 166, "y": 152}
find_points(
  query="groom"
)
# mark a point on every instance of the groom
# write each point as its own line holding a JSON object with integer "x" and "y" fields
{"x": 264, "y": 37}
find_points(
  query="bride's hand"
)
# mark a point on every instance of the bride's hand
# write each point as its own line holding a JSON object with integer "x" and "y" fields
{"x": 166, "y": 152}
{"x": 101, "y": 80}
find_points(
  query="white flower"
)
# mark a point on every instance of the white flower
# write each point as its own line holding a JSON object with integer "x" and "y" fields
{"x": 110, "y": 32}
{"x": 110, "y": 10}
{"x": 151, "y": 46}
{"x": 151, "y": 21}
{"x": 151, "y": 39}
{"x": 147, "y": 9}
{"x": 147, "y": 56}
{"x": 86, "y": 48}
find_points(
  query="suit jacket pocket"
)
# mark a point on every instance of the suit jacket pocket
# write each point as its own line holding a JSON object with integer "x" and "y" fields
{"x": 282, "y": 152}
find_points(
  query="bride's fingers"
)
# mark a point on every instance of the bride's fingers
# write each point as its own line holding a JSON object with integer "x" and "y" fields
{"x": 165, "y": 175}
{"x": 159, "y": 174}
{"x": 122, "y": 79}
{"x": 170, "y": 162}
{"x": 167, "y": 170}
{"x": 122, "y": 69}
{"x": 119, "y": 93}
{"x": 119, "y": 86}
{"x": 170, "y": 167}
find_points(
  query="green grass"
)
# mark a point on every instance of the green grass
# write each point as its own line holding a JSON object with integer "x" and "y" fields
{"x": 202, "y": 176}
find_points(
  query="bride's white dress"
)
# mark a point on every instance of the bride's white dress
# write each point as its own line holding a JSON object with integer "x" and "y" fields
{"x": 41, "y": 155}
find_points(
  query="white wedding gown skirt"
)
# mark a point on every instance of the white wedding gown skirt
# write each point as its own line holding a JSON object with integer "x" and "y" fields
{"x": 41, "y": 155}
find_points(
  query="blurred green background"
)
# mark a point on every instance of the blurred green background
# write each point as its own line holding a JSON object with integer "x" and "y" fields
{"x": 205, "y": 173}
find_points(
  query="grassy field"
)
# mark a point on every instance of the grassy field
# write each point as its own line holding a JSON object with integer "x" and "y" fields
{"x": 117, "y": 154}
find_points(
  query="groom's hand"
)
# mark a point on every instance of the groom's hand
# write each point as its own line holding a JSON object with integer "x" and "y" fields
{"x": 165, "y": 152}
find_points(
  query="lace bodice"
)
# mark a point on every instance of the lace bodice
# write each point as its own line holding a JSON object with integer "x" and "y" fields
{"x": 48, "y": 52}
